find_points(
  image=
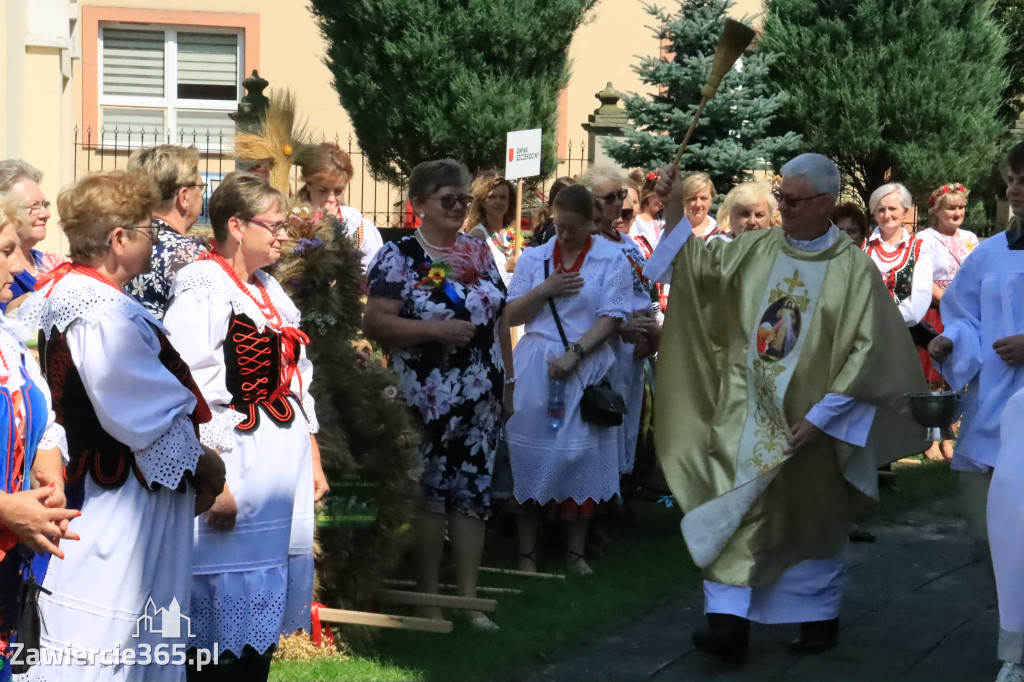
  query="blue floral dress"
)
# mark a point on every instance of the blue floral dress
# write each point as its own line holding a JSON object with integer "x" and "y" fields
{"x": 173, "y": 252}
{"x": 457, "y": 391}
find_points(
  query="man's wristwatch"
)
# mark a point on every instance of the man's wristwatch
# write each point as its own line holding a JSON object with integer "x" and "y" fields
{"x": 577, "y": 348}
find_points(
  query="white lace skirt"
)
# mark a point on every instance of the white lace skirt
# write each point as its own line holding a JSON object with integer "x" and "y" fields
{"x": 579, "y": 460}
{"x": 255, "y": 582}
{"x": 136, "y": 545}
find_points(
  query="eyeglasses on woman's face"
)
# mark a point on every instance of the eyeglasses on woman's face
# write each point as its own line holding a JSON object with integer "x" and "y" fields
{"x": 38, "y": 206}
{"x": 278, "y": 228}
{"x": 449, "y": 201}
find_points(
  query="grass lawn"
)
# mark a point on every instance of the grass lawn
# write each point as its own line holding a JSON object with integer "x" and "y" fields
{"x": 647, "y": 565}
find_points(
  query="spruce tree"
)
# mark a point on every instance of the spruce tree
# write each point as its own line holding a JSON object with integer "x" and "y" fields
{"x": 907, "y": 90}
{"x": 732, "y": 137}
{"x": 425, "y": 79}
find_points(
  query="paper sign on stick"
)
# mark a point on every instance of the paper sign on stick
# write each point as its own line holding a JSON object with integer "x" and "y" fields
{"x": 522, "y": 154}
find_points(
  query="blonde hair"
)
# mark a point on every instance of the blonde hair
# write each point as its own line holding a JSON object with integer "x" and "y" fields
{"x": 171, "y": 166}
{"x": 695, "y": 183}
{"x": 482, "y": 186}
{"x": 92, "y": 207}
{"x": 745, "y": 194}
{"x": 939, "y": 199}
{"x": 12, "y": 210}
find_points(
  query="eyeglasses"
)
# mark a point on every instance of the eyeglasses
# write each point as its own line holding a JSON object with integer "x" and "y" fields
{"x": 201, "y": 185}
{"x": 151, "y": 231}
{"x": 612, "y": 196}
{"x": 37, "y": 207}
{"x": 790, "y": 200}
{"x": 626, "y": 214}
{"x": 280, "y": 227}
{"x": 448, "y": 201}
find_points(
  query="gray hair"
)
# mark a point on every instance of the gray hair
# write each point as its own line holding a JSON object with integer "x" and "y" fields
{"x": 906, "y": 201}
{"x": 13, "y": 171}
{"x": 430, "y": 176}
{"x": 820, "y": 171}
{"x": 596, "y": 175}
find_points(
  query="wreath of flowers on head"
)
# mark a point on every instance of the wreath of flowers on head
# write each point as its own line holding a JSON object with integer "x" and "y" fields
{"x": 946, "y": 189}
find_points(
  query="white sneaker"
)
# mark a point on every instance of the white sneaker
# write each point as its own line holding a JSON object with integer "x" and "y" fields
{"x": 1011, "y": 672}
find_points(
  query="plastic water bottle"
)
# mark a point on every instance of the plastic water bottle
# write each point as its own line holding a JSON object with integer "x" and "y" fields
{"x": 556, "y": 403}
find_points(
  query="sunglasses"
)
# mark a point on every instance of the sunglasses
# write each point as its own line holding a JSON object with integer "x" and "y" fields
{"x": 612, "y": 196}
{"x": 448, "y": 201}
{"x": 626, "y": 214}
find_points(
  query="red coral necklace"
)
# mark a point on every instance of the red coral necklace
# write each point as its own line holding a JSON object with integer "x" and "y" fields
{"x": 265, "y": 305}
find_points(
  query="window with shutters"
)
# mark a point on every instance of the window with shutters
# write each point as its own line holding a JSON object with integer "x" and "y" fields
{"x": 168, "y": 85}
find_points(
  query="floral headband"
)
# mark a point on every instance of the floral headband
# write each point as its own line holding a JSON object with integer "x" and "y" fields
{"x": 946, "y": 189}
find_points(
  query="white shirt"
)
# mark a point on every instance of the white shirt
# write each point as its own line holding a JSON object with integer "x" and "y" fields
{"x": 948, "y": 253}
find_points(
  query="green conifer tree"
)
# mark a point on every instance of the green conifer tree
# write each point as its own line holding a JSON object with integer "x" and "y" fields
{"x": 425, "y": 79}
{"x": 732, "y": 138}
{"x": 907, "y": 90}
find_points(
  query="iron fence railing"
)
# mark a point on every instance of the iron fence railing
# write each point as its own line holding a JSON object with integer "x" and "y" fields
{"x": 382, "y": 202}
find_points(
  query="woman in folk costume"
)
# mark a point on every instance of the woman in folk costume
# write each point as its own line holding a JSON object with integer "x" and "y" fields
{"x": 589, "y": 283}
{"x": 31, "y": 521}
{"x": 239, "y": 332}
{"x": 633, "y": 343}
{"x": 131, "y": 412}
{"x": 904, "y": 259}
{"x": 326, "y": 172}
{"x": 950, "y": 247}
{"x": 491, "y": 217}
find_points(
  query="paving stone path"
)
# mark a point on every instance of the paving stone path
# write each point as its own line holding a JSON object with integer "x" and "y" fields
{"x": 919, "y": 607}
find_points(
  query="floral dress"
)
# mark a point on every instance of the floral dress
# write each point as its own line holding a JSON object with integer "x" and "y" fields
{"x": 173, "y": 252}
{"x": 458, "y": 391}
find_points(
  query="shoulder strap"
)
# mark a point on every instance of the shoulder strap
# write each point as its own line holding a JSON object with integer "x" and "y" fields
{"x": 554, "y": 311}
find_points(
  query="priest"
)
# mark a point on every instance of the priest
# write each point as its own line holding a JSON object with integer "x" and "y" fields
{"x": 785, "y": 364}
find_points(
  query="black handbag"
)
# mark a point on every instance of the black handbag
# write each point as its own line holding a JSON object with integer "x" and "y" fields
{"x": 601, "y": 405}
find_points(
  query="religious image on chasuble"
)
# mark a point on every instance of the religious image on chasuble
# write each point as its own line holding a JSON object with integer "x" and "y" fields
{"x": 758, "y": 332}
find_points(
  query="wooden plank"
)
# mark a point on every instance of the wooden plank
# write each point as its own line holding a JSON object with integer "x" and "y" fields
{"x": 384, "y": 620}
{"x": 443, "y": 600}
{"x": 483, "y": 589}
{"x": 521, "y": 574}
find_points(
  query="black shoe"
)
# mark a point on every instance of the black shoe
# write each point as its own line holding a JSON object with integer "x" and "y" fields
{"x": 726, "y": 637}
{"x": 816, "y": 636}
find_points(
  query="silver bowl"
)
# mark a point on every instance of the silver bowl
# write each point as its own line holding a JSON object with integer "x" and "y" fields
{"x": 937, "y": 411}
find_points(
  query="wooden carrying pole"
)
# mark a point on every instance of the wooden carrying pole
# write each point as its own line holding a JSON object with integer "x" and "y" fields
{"x": 383, "y": 620}
{"x": 736, "y": 37}
{"x": 517, "y": 236}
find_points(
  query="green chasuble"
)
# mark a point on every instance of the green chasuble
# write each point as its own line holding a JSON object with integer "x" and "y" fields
{"x": 757, "y": 332}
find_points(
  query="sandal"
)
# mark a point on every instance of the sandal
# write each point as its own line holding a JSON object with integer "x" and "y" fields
{"x": 577, "y": 563}
{"x": 530, "y": 557}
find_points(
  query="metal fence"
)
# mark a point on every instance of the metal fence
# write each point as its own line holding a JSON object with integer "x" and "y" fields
{"x": 382, "y": 202}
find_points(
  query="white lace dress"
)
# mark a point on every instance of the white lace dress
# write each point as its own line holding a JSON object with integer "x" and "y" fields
{"x": 628, "y": 372}
{"x": 254, "y": 582}
{"x": 136, "y": 543}
{"x": 579, "y": 460}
